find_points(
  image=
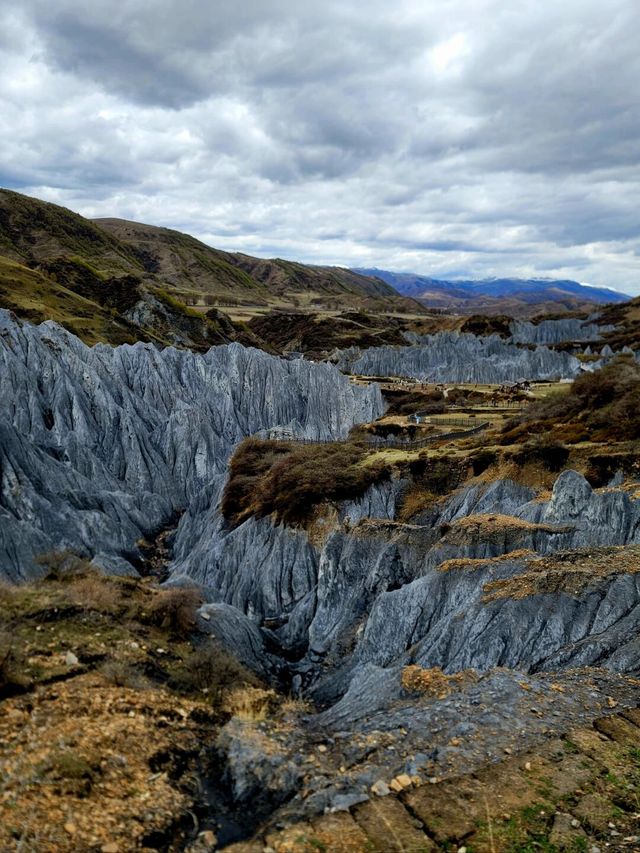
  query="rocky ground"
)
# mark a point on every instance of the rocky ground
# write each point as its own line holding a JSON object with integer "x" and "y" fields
{"x": 110, "y": 702}
{"x": 117, "y": 734}
{"x": 580, "y": 792}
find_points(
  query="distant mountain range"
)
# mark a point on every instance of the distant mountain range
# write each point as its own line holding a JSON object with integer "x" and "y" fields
{"x": 513, "y": 296}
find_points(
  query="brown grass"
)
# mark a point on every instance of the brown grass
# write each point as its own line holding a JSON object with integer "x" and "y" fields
{"x": 433, "y": 682}
{"x": 568, "y": 571}
{"x": 175, "y": 609}
{"x": 288, "y": 480}
{"x": 96, "y": 592}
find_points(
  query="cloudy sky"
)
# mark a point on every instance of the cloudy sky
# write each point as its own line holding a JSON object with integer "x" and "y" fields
{"x": 447, "y": 137}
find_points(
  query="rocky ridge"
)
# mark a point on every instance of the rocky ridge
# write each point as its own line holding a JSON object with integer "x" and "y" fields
{"x": 486, "y": 590}
{"x": 455, "y": 357}
{"x": 101, "y": 446}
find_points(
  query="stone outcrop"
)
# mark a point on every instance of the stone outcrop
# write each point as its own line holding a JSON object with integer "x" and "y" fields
{"x": 557, "y": 331}
{"x": 376, "y": 591}
{"x": 101, "y": 446}
{"x": 454, "y": 357}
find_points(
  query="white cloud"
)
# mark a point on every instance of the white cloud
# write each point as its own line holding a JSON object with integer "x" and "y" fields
{"x": 470, "y": 136}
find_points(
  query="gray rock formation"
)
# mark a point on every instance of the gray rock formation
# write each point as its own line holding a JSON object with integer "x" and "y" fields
{"x": 100, "y": 446}
{"x": 373, "y": 591}
{"x": 557, "y": 331}
{"x": 454, "y": 357}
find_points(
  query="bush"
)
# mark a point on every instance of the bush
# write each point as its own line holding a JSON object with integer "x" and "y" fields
{"x": 212, "y": 669}
{"x": 12, "y": 664}
{"x": 65, "y": 565}
{"x": 482, "y": 460}
{"x": 71, "y": 773}
{"x": 289, "y": 480}
{"x": 174, "y": 609}
{"x": 603, "y": 467}
{"x": 600, "y": 406}
{"x": 121, "y": 674}
{"x": 550, "y": 454}
{"x": 95, "y": 592}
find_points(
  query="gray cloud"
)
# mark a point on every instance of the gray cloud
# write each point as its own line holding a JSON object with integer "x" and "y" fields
{"x": 470, "y": 136}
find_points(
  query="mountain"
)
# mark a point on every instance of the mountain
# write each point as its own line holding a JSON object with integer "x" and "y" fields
{"x": 116, "y": 281}
{"x": 513, "y": 296}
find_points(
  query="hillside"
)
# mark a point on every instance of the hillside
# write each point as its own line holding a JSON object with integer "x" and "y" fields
{"x": 201, "y": 273}
{"x": 119, "y": 282}
{"x": 626, "y": 317}
{"x": 512, "y": 296}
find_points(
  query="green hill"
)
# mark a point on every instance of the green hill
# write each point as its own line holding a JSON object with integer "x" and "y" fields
{"x": 116, "y": 281}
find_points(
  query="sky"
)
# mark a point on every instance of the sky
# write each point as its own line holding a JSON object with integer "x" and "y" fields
{"x": 453, "y": 138}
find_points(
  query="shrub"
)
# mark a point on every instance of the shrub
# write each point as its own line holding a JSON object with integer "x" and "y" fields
{"x": 482, "y": 460}
{"x": 174, "y": 609}
{"x": 602, "y": 467}
{"x": 212, "y": 669}
{"x": 95, "y": 592}
{"x": 71, "y": 773}
{"x": 550, "y": 454}
{"x": 121, "y": 674}
{"x": 601, "y": 406}
{"x": 12, "y": 664}
{"x": 65, "y": 565}
{"x": 289, "y": 480}
{"x": 249, "y": 703}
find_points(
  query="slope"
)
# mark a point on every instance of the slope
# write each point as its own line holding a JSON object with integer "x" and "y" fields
{"x": 202, "y": 274}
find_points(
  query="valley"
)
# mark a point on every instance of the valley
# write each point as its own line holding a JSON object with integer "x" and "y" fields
{"x": 291, "y": 563}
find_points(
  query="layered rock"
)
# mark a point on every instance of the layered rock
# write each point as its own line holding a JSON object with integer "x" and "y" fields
{"x": 454, "y": 357}
{"x": 557, "y": 331}
{"x": 376, "y": 591}
{"x": 100, "y": 446}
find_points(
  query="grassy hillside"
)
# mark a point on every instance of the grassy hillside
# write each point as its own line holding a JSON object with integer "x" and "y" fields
{"x": 116, "y": 281}
{"x": 186, "y": 264}
{"x": 206, "y": 276}
{"x": 35, "y": 296}
{"x": 32, "y": 231}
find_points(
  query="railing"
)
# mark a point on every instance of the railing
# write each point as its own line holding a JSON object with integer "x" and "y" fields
{"x": 398, "y": 444}
{"x": 390, "y": 443}
{"x": 436, "y": 420}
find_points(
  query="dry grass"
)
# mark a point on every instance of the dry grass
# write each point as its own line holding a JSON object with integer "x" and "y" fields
{"x": 570, "y": 572}
{"x": 249, "y": 703}
{"x": 416, "y": 499}
{"x": 434, "y": 682}
{"x": 175, "y": 609}
{"x": 473, "y": 562}
{"x": 96, "y": 592}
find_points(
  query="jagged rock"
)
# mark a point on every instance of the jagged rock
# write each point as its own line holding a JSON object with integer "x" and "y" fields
{"x": 557, "y": 331}
{"x": 101, "y": 446}
{"x": 241, "y": 637}
{"x": 454, "y": 357}
{"x": 257, "y": 767}
{"x": 373, "y": 590}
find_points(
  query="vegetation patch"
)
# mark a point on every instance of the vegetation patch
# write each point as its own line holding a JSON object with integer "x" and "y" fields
{"x": 570, "y": 572}
{"x": 433, "y": 681}
{"x": 603, "y": 406}
{"x": 288, "y": 480}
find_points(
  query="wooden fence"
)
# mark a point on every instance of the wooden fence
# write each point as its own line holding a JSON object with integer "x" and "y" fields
{"x": 392, "y": 443}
